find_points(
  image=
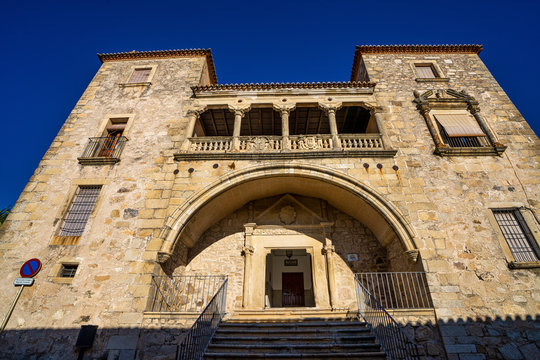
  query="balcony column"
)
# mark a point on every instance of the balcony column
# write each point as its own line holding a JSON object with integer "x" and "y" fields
{"x": 239, "y": 111}
{"x": 377, "y": 115}
{"x": 193, "y": 115}
{"x": 331, "y": 109}
{"x": 285, "y": 111}
{"x": 328, "y": 252}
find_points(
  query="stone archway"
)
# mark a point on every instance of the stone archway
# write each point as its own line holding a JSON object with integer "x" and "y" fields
{"x": 233, "y": 190}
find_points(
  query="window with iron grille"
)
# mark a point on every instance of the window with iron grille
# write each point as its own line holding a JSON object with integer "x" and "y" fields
{"x": 139, "y": 75}
{"x": 79, "y": 211}
{"x": 68, "y": 270}
{"x": 460, "y": 130}
{"x": 517, "y": 234}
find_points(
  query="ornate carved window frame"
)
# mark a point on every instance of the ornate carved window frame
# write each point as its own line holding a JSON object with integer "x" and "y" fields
{"x": 451, "y": 100}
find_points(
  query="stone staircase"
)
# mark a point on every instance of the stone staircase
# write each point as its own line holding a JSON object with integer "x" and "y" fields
{"x": 294, "y": 339}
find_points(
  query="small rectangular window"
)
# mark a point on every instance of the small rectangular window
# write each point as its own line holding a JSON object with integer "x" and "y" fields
{"x": 517, "y": 234}
{"x": 139, "y": 76}
{"x": 68, "y": 270}
{"x": 79, "y": 211}
{"x": 425, "y": 71}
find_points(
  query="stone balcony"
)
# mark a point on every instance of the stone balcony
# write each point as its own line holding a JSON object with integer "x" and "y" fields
{"x": 288, "y": 147}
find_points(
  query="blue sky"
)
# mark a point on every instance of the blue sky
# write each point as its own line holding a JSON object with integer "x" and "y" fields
{"x": 49, "y": 50}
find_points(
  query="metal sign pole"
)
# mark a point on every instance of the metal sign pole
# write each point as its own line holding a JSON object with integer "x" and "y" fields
{"x": 10, "y": 311}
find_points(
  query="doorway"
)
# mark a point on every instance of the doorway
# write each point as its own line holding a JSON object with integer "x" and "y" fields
{"x": 293, "y": 289}
{"x": 289, "y": 280}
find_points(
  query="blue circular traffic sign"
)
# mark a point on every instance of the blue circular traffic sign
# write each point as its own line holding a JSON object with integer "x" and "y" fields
{"x": 30, "y": 268}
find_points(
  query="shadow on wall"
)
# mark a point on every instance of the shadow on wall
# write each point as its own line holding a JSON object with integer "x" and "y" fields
{"x": 498, "y": 338}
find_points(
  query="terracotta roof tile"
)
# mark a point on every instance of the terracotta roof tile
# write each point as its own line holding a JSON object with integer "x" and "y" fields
{"x": 163, "y": 54}
{"x": 271, "y": 86}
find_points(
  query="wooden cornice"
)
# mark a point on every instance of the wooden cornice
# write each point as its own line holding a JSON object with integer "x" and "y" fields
{"x": 163, "y": 54}
{"x": 410, "y": 49}
{"x": 271, "y": 86}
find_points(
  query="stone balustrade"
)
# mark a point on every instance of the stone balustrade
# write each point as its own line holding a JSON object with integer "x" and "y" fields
{"x": 361, "y": 141}
{"x": 210, "y": 144}
{"x": 249, "y": 144}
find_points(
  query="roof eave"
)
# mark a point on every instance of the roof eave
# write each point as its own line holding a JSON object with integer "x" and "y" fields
{"x": 409, "y": 49}
{"x": 164, "y": 54}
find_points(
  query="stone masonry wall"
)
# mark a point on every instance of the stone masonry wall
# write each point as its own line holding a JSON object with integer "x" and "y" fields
{"x": 445, "y": 200}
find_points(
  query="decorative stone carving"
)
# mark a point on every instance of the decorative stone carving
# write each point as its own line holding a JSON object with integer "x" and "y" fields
{"x": 247, "y": 250}
{"x": 287, "y": 215}
{"x": 284, "y": 108}
{"x": 163, "y": 257}
{"x": 328, "y": 249}
{"x": 309, "y": 143}
{"x": 258, "y": 143}
{"x": 413, "y": 254}
{"x": 330, "y": 106}
{"x": 240, "y": 109}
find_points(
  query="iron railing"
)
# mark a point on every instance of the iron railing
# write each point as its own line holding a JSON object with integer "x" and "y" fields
{"x": 398, "y": 290}
{"x": 196, "y": 340}
{"x": 183, "y": 293}
{"x": 104, "y": 147}
{"x": 393, "y": 340}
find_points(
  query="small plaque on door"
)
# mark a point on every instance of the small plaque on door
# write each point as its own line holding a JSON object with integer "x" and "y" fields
{"x": 291, "y": 262}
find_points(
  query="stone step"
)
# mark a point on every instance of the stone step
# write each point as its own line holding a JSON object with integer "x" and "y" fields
{"x": 375, "y": 355}
{"x": 291, "y": 324}
{"x": 319, "y": 348}
{"x": 299, "y": 338}
{"x": 279, "y": 314}
{"x": 313, "y": 338}
{"x": 293, "y": 332}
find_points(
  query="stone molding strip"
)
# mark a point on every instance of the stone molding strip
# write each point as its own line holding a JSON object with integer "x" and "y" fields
{"x": 285, "y": 155}
{"x": 271, "y": 86}
{"x": 409, "y": 49}
{"x": 163, "y": 54}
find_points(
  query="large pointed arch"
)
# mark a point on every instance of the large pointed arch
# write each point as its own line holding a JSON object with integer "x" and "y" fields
{"x": 233, "y": 190}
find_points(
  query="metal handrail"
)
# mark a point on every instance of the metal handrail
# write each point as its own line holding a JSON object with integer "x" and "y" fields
{"x": 182, "y": 293}
{"x": 104, "y": 147}
{"x": 398, "y": 290}
{"x": 393, "y": 340}
{"x": 196, "y": 340}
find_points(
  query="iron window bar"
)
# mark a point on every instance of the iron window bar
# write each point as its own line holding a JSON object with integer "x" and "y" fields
{"x": 79, "y": 211}
{"x": 517, "y": 234}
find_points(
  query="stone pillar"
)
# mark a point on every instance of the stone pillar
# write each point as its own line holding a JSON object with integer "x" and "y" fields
{"x": 328, "y": 252}
{"x": 193, "y": 116}
{"x": 239, "y": 112}
{"x": 247, "y": 253}
{"x": 387, "y": 144}
{"x": 331, "y": 109}
{"x": 285, "y": 111}
{"x": 474, "y": 109}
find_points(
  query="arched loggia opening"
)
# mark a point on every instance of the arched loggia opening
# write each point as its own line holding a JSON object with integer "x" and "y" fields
{"x": 236, "y": 192}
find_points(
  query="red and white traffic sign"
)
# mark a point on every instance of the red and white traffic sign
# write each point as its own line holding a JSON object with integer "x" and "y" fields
{"x": 30, "y": 268}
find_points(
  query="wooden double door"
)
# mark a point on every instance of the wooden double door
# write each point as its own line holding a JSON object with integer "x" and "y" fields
{"x": 292, "y": 285}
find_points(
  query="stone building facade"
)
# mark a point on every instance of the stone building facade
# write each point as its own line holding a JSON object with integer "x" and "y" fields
{"x": 420, "y": 163}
